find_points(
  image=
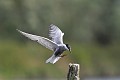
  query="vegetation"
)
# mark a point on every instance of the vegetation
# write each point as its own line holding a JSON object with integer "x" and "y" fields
{"x": 90, "y": 27}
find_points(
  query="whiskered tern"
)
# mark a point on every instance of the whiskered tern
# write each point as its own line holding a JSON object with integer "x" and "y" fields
{"x": 55, "y": 44}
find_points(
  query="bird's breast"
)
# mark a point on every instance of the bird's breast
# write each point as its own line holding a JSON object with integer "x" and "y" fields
{"x": 59, "y": 51}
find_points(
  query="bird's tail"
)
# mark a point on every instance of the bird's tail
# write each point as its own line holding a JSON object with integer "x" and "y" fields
{"x": 53, "y": 59}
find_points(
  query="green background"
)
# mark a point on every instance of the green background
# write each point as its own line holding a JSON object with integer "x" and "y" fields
{"x": 91, "y": 27}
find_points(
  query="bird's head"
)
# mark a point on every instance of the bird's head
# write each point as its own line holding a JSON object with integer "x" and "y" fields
{"x": 68, "y": 46}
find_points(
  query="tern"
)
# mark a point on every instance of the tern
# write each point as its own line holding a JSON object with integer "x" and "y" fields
{"x": 55, "y": 43}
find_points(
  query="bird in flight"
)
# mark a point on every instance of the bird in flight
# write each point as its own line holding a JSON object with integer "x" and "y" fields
{"x": 55, "y": 43}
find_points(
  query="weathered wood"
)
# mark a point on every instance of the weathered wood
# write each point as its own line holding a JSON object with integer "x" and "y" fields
{"x": 73, "y": 73}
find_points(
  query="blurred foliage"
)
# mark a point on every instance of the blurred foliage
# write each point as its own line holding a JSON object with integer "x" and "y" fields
{"x": 91, "y": 28}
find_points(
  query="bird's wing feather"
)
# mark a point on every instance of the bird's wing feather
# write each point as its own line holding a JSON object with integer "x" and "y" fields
{"x": 41, "y": 40}
{"x": 56, "y": 34}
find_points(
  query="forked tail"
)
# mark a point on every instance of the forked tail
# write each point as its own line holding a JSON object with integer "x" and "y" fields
{"x": 53, "y": 59}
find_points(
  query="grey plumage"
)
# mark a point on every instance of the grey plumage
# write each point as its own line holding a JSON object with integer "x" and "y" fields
{"x": 55, "y": 44}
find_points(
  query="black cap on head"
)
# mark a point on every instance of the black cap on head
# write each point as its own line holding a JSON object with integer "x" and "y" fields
{"x": 68, "y": 46}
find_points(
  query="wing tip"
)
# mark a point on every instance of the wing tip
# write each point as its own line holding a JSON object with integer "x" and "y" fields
{"x": 17, "y": 30}
{"x": 52, "y": 25}
{"x": 20, "y": 31}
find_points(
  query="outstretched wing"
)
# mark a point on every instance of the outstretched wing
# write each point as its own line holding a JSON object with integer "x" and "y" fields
{"x": 41, "y": 40}
{"x": 56, "y": 34}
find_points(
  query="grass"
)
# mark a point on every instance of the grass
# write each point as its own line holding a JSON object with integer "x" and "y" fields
{"x": 28, "y": 60}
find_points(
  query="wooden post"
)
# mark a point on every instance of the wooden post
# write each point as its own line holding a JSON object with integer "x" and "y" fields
{"x": 73, "y": 73}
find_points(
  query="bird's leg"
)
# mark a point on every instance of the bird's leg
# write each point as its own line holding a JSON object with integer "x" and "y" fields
{"x": 63, "y": 55}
